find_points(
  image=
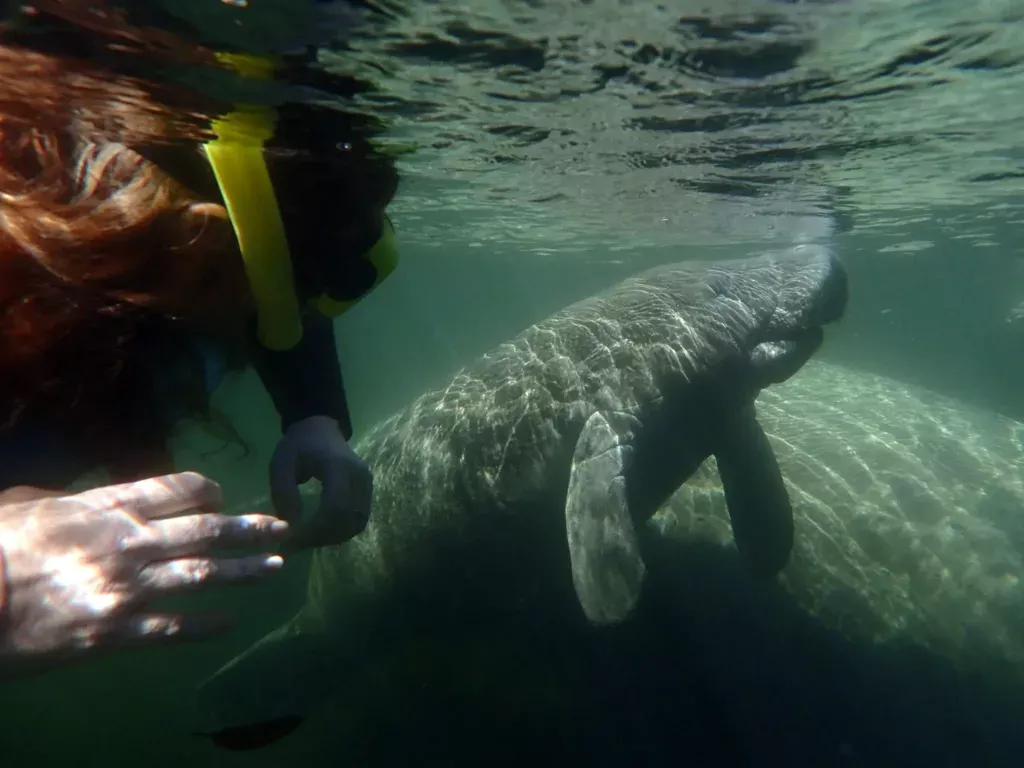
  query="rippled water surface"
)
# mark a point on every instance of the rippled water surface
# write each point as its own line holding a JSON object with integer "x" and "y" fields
{"x": 561, "y": 124}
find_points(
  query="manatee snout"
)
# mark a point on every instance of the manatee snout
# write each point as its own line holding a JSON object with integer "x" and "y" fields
{"x": 816, "y": 290}
{"x": 813, "y": 293}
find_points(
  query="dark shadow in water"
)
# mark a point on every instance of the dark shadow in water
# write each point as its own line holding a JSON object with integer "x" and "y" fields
{"x": 713, "y": 671}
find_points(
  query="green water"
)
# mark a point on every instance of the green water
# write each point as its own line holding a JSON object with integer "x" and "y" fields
{"x": 564, "y": 146}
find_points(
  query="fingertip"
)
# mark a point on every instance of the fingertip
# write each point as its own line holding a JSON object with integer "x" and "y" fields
{"x": 243, "y": 527}
{"x": 206, "y": 494}
{"x": 256, "y": 529}
{"x": 273, "y": 562}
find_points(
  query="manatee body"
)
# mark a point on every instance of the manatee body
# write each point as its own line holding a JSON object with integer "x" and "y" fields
{"x": 522, "y": 481}
{"x": 909, "y": 511}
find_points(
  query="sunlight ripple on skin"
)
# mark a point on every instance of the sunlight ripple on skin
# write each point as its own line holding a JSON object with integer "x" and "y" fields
{"x": 80, "y": 569}
{"x": 84, "y": 581}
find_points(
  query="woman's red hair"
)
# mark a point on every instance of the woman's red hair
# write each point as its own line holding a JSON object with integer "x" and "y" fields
{"x": 106, "y": 262}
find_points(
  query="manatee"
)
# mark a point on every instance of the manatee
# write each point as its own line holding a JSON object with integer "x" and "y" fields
{"x": 525, "y": 478}
{"x": 909, "y": 511}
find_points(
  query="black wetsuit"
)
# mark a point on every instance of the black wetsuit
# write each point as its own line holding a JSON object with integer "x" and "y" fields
{"x": 306, "y": 380}
{"x": 303, "y": 381}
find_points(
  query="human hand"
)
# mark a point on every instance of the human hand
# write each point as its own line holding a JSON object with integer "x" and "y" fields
{"x": 315, "y": 447}
{"x": 76, "y": 571}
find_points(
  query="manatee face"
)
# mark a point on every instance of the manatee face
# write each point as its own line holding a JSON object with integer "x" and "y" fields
{"x": 794, "y": 293}
{"x": 753, "y": 322}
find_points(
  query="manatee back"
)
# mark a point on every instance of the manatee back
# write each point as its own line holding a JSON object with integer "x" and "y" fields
{"x": 907, "y": 511}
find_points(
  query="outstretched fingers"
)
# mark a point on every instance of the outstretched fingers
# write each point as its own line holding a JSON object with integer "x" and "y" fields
{"x": 195, "y": 573}
{"x": 198, "y": 534}
{"x": 152, "y": 629}
{"x": 161, "y": 497}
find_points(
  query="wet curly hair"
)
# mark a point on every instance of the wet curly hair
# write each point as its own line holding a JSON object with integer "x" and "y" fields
{"x": 104, "y": 258}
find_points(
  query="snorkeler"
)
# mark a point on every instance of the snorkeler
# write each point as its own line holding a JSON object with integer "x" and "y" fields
{"x": 136, "y": 273}
{"x": 139, "y": 263}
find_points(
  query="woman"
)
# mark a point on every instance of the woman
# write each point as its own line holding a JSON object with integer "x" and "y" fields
{"x": 134, "y": 271}
{"x": 142, "y": 255}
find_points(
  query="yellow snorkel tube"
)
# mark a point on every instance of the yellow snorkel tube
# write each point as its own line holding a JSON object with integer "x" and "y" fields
{"x": 236, "y": 157}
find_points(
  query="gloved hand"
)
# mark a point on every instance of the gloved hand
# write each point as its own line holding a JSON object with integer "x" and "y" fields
{"x": 315, "y": 447}
{"x": 77, "y": 570}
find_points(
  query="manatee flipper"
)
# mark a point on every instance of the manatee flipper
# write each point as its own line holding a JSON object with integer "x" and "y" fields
{"x": 755, "y": 493}
{"x": 266, "y": 692}
{"x": 607, "y": 569}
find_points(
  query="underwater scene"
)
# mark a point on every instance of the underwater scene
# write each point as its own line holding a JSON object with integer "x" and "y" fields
{"x": 641, "y": 383}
